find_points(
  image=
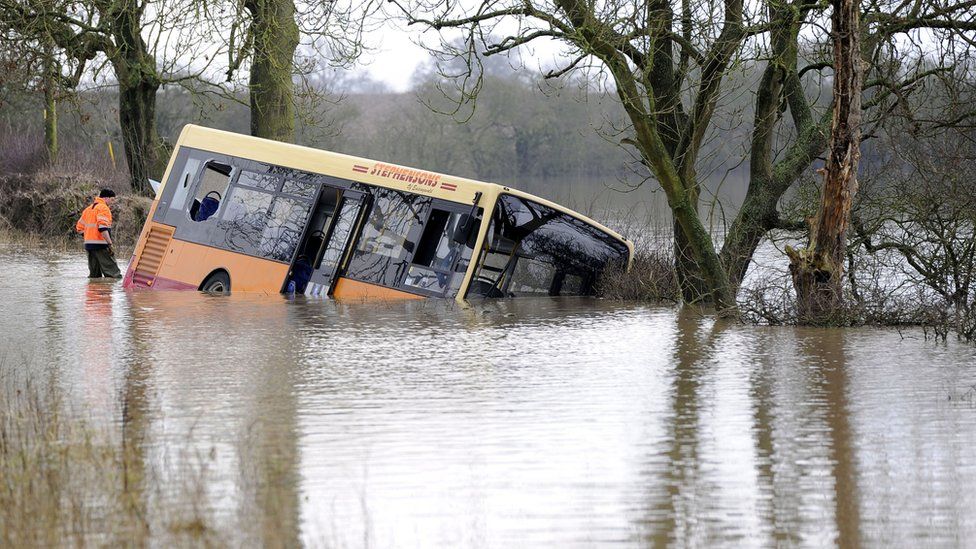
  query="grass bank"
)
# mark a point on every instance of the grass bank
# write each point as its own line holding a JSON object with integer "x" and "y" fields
{"x": 44, "y": 206}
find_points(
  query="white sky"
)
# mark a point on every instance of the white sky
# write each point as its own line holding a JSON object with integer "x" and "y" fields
{"x": 395, "y": 56}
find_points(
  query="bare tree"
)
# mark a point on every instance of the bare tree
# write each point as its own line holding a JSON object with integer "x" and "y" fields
{"x": 917, "y": 218}
{"x": 37, "y": 66}
{"x": 269, "y": 34}
{"x": 52, "y": 74}
{"x": 667, "y": 62}
{"x": 127, "y": 34}
{"x": 818, "y": 270}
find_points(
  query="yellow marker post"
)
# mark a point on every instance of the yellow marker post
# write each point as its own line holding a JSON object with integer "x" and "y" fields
{"x": 111, "y": 154}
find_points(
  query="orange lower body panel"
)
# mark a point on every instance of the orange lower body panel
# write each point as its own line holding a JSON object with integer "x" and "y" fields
{"x": 190, "y": 264}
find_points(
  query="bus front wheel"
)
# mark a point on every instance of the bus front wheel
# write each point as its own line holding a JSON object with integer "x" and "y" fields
{"x": 216, "y": 283}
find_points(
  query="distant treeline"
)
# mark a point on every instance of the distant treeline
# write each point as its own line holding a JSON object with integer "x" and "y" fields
{"x": 515, "y": 130}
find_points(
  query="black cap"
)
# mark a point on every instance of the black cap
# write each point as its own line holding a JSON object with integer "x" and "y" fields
{"x": 106, "y": 193}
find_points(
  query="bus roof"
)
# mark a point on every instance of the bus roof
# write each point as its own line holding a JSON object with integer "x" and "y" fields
{"x": 372, "y": 172}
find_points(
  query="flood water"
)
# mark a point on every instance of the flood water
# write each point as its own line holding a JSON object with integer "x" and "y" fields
{"x": 522, "y": 423}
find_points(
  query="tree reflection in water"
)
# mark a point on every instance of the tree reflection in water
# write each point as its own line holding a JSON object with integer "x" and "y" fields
{"x": 800, "y": 436}
{"x": 195, "y": 473}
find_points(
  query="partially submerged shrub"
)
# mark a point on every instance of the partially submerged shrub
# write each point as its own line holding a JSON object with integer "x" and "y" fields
{"x": 771, "y": 300}
{"x": 651, "y": 278}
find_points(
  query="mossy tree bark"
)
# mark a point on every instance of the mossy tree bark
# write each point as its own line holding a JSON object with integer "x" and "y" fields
{"x": 139, "y": 81}
{"x": 818, "y": 270}
{"x": 51, "y": 77}
{"x": 275, "y": 37}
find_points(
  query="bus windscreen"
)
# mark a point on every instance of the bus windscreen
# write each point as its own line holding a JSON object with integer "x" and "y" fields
{"x": 533, "y": 249}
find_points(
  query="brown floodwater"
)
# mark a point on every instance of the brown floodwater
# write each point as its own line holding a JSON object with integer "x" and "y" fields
{"x": 518, "y": 423}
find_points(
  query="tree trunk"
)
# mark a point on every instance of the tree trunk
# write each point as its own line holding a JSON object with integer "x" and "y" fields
{"x": 818, "y": 270}
{"x": 697, "y": 260}
{"x": 276, "y": 37}
{"x": 145, "y": 154}
{"x": 691, "y": 276}
{"x": 135, "y": 69}
{"x": 705, "y": 280}
{"x": 758, "y": 214}
{"x": 50, "y": 108}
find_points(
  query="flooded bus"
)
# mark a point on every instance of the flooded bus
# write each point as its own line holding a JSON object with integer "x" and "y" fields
{"x": 244, "y": 214}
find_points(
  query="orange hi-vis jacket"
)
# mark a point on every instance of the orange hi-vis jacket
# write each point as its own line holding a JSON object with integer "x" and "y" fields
{"x": 93, "y": 220}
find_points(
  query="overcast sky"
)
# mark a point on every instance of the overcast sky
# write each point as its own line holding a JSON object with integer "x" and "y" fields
{"x": 395, "y": 55}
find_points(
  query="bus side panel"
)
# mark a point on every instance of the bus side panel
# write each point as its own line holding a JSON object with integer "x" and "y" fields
{"x": 192, "y": 263}
{"x": 346, "y": 288}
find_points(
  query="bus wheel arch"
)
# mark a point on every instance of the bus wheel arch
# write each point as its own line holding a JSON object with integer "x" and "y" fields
{"x": 217, "y": 282}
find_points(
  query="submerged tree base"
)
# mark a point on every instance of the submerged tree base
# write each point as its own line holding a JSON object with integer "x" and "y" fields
{"x": 772, "y": 301}
{"x": 820, "y": 296}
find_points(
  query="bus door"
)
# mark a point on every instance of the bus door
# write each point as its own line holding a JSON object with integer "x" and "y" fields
{"x": 339, "y": 212}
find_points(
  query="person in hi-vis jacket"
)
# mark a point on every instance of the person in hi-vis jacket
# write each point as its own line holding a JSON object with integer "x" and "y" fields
{"x": 95, "y": 224}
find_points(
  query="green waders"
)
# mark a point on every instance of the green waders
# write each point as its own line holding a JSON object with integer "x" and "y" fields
{"x": 101, "y": 263}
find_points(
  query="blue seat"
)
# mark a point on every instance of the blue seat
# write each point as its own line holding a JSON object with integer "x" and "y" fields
{"x": 208, "y": 207}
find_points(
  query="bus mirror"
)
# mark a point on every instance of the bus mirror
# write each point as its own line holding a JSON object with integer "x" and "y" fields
{"x": 464, "y": 230}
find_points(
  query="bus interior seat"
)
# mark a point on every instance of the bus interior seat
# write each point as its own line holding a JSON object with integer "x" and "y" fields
{"x": 205, "y": 208}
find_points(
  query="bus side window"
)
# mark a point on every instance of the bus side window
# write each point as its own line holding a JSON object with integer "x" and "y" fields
{"x": 443, "y": 250}
{"x": 243, "y": 220}
{"x": 389, "y": 237}
{"x": 213, "y": 185}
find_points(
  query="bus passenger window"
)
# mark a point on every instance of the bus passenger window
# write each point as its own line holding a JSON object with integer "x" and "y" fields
{"x": 267, "y": 182}
{"x": 243, "y": 220}
{"x": 388, "y": 230}
{"x": 437, "y": 253}
{"x": 389, "y": 237}
{"x": 300, "y": 188}
{"x": 213, "y": 184}
{"x": 183, "y": 184}
{"x": 284, "y": 228}
{"x": 436, "y": 246}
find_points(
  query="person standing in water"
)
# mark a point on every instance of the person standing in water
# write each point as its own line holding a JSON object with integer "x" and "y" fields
{"x": 95, "y": 224}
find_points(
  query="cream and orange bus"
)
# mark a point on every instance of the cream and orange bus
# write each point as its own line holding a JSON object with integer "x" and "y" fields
{"x": 240, "y": 213}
